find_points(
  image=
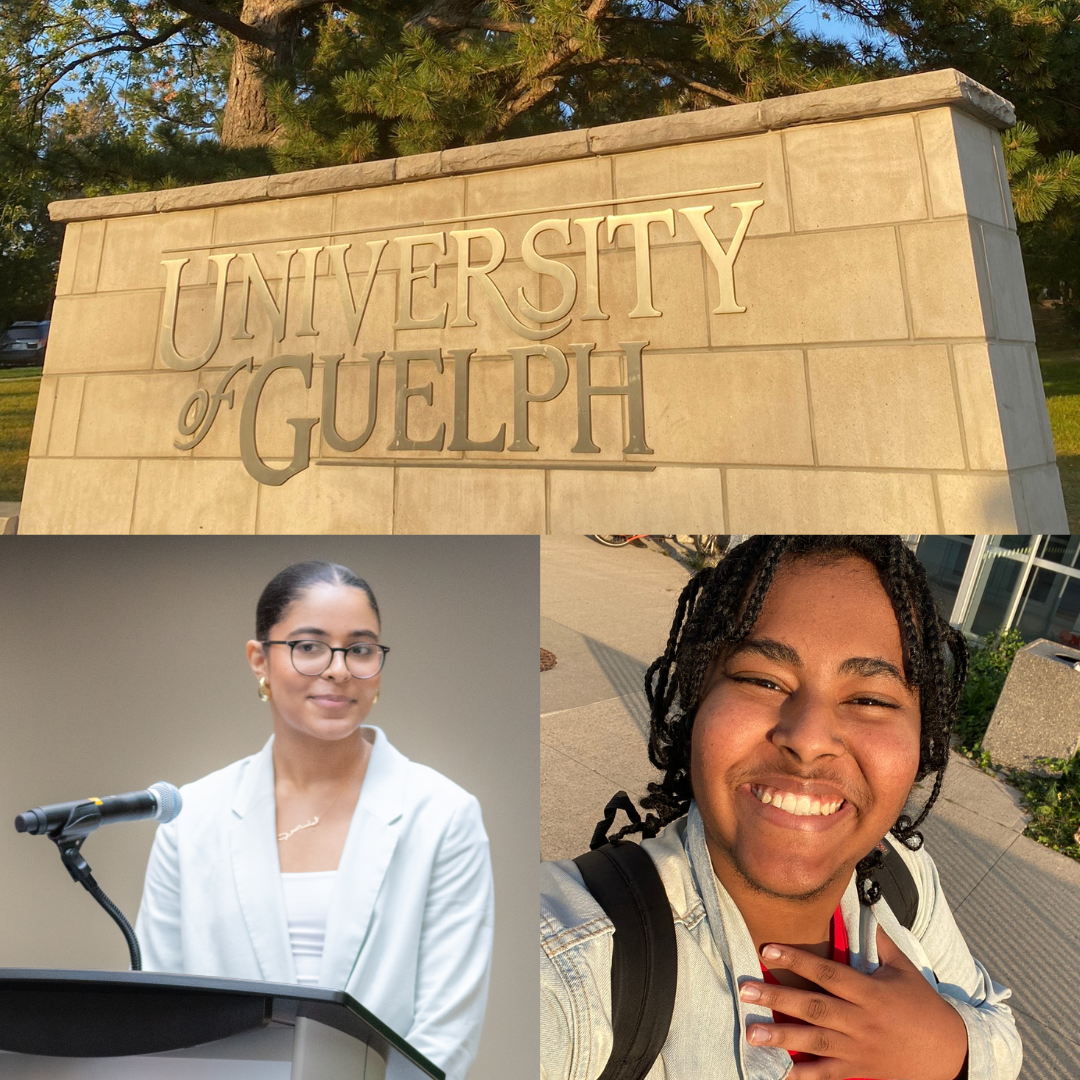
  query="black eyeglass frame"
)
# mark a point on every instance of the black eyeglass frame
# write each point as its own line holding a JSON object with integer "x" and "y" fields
{"x": 384, "y": 649}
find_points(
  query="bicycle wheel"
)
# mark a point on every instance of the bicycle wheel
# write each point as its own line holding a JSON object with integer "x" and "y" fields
{"x": 710, "y": 546}
{"x": 611, "y": 541}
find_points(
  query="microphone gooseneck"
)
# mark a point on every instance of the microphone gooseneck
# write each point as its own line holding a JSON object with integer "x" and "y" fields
{"x": 69, "y": 824}
{"x": 79, "y": 870}
{"x": 134, "y": 952}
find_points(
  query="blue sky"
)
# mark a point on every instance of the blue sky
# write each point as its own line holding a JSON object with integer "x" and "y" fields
{"x": 810, "y": 16}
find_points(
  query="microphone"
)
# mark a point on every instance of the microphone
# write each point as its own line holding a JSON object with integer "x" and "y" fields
{"x": 161, "y": 801}
{"x": 68, "y": 825}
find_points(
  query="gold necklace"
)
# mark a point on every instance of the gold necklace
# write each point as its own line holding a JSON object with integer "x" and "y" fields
{"x": 283, "y": 836}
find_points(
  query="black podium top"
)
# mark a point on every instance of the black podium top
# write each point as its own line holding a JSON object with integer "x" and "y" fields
{"x": 119, "y": 1013}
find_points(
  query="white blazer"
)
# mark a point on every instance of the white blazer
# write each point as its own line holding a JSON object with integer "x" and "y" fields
{"x": 411, "y": 917}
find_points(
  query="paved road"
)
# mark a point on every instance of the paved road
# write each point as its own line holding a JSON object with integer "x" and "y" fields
{"x": 605, "y": 615}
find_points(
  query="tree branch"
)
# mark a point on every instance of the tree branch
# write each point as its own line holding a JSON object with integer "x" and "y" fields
{"x": 654, "y": 63}
{"x": 292, "y": 7}
{"x": 224, "y": 21}
{"x": 442, "y": 17}
{"x": 439, "y": 25}
{"x": 541, "y": 81}
{"x": 692, "y": 84}
{"x": 142, "y": 45}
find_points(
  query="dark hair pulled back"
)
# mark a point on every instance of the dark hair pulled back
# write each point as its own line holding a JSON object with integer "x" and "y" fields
{"x": 718, "y": 609}
{"x": 290, "y": 583}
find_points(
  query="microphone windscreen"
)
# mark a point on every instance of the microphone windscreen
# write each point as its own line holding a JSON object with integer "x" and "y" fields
{"x": 170, "y": 801}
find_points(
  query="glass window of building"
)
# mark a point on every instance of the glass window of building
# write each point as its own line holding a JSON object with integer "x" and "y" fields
{"x": 988, "y": 583}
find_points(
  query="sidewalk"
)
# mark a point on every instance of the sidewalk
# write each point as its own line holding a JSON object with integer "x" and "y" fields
{"x": 605, "y": 614}
{"x": 9, "y": 518}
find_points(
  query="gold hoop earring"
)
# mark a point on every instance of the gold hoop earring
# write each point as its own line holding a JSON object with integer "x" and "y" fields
{"x": 264, "y": 690}
{"x": 376, "y": 698}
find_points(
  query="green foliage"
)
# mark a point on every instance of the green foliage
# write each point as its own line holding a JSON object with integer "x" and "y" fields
{"x": 989, "y": 665}
{"x": 111, "y": 95}
{"x": 1046, "y": 196}
{"x": 81, "y": 116}
{"x": 1027, "y": 50}
{"x": 1054, "y": 803}
{"x": 1038, "y": 184}
{"x": 154, "y": 68}
{"x": 29, "y": 243}
{"x": 378, "y": 82}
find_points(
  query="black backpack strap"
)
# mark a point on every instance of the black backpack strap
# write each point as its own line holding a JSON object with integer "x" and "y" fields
{"x": 897, "y": 885}
{"x": 619, "y": 801}
{"x": 644, "y": 966}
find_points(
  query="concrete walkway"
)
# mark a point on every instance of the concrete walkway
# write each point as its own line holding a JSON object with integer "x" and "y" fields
{"x": 9, "y": 518}
{"x": 606, "y": 614}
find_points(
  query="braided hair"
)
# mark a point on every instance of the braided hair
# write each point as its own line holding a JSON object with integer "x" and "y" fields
{"x": 718, "y": 609}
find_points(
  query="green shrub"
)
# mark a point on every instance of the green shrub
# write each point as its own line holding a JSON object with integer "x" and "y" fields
{"x": 990, "y": 661}
{"x": 1054, "y": 803}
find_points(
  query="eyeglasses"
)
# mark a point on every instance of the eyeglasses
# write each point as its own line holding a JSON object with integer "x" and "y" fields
{"x": 363, "y": 660}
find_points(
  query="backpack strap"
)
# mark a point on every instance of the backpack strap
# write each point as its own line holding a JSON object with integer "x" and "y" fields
{"x": 644, "y": 966}
{"x": 897, "y": 885}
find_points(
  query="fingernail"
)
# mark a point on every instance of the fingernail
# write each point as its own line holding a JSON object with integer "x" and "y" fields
{"x": 771, "y": 952}
{"x": 757, "y": 1036}
{"x": 750, "y": 991}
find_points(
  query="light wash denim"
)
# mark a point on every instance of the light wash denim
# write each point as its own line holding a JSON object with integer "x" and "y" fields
{"x": 707, "y": 1036}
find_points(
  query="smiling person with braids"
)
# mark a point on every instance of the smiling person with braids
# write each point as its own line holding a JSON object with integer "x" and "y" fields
{"x": 808, "y": 683}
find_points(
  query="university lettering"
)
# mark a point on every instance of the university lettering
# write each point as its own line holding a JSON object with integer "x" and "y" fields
{"x": 287, "y": 299}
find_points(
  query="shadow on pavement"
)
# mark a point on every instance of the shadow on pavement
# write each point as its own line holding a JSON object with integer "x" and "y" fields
{"x": 626, "y": 677}
{"x": 1018, "y": 907}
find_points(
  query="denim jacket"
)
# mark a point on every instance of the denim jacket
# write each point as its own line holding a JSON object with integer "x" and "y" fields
{"x": 707, "y": 1038}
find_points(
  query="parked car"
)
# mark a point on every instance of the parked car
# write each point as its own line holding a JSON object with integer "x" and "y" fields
{"x": 23, "y": 344}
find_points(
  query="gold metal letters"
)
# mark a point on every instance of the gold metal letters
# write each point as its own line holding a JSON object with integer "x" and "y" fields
{"x": 431, "y": 296}
{"x": 249, "y": 452}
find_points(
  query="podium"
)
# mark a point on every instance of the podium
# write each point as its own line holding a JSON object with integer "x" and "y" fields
{"x": 136, "y": 1025}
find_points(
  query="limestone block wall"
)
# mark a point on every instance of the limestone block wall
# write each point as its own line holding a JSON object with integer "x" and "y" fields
{"x": 813, "y": 310}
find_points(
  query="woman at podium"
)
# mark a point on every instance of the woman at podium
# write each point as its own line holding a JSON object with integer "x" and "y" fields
{"x": 329, "y": 858}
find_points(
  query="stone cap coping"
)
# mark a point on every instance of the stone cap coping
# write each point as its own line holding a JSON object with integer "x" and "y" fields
{"x": 1051, "y": 649}
{"x": 906, "y": 93}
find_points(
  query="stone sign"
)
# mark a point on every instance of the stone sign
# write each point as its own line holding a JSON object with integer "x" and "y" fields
{"x": 803, "y": 314}
{"x": 1038, "y": 712}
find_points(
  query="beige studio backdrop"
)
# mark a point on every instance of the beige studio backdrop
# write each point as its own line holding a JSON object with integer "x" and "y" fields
{"x": 123, "y": 664}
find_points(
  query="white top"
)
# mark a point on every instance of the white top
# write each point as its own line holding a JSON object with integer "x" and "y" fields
{"x": 410, "y": 922}
{"x": 307, "y": 903}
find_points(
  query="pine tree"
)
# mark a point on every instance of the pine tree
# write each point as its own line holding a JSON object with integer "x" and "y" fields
{"x": 126, "y": 94}
{"x": 1029, "y": 52}
{"x": 1046, "y": 197}
{"x": 376, "y": 83}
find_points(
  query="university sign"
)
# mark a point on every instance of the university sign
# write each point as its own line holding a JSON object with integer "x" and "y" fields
{"x": 803, "y": 314}
{"x": 476, "y": 296}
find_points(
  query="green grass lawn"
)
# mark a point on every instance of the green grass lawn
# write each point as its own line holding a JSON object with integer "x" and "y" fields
{"x": 1059, "y": 356}
{"x": 1061, "y": 379}
{"x": 18, "y": 399}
